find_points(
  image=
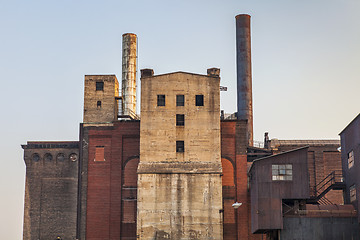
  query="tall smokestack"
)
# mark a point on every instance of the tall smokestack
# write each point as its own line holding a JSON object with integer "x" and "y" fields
{"x": 243, "y": 63}
{"x": 129, "y": 57}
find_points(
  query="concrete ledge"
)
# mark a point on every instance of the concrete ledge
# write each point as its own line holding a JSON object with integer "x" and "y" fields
{"x": 180, "y": 167}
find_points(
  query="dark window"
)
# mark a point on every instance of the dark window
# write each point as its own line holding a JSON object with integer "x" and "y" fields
{"x": 180, "y": 99}
{"x": 35, "y": 157}
{"x": 199, "y": 100}
{"x": 180, "y": 146}
{"x": 48, "y": 157}
{"x": 98, "y": 104}
{"x": 180, "y": 119}
{"x": 60, "y": 157}
{"x": 99, "y": 86}
{"x": 161, "y": 100}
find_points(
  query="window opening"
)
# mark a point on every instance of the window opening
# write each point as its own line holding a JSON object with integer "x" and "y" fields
{"x": 282, "y": 172}
{"x": 180, "y": 100}
{"x": 199, "y": 100}
{"x": 98, "y": 104}
{"x": 180, "y": 120}
{"x": 48, "y": 157}
{"x": 180, "y": 146}
{"x": 352, "y": 193}
{"x": 99, "y": 86}
{"x": 351, "y": 159}
{"x": 161, "y": 100}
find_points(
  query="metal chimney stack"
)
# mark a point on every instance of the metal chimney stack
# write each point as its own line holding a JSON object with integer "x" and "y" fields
{"x": 129, "y": 58}
{"x": 244, "y": 77}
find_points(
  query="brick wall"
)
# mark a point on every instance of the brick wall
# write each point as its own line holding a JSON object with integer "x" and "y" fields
{"x": 50, "y": 190}
{"x": 111, "y": 185}
{"x": 234, "y": 163}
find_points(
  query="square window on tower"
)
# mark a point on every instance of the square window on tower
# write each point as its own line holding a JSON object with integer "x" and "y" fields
{"x": 180, "y": 120}
{"x": 99, "y": 86}
{"x": 180, "y": 100}
{"x": 180, "y": 146}
{"x": 199, "y": 100}
{"x": 161, "y": 100}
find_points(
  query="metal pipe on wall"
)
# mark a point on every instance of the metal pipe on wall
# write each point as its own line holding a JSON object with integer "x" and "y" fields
{"x": 128, "y": 86}
{"x": 244, "y": 76}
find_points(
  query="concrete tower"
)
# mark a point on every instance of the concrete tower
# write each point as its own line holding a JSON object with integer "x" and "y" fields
{"x": 129, "y": 57}
{"x": 179, "y": 174}
{"x": 244, "y": 77}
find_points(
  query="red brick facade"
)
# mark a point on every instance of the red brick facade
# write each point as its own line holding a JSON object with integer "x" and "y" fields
{"x": 111, "y": 191}
{"x": 235, "y": 181}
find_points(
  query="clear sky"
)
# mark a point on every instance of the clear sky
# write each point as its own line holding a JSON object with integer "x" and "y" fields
{"x": 305, "y": 63}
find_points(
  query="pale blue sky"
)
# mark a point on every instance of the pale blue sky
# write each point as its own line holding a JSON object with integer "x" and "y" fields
{"x": 306, "y": 66}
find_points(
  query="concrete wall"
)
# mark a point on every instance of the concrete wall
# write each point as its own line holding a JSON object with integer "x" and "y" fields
{"x": 51, "y": 190}
{"x": 185, "y": 187}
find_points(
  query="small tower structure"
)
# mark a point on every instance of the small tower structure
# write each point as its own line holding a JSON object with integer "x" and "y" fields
{"x": 100, "y": 99}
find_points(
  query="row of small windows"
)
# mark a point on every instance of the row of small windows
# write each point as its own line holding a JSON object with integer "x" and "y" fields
{"x": 180, "y": 100}
{"x": 49, "y": 157}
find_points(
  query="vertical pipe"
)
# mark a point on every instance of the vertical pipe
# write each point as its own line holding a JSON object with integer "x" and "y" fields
{"x": 243, "y": 64}
{"x": 128, "y": 89}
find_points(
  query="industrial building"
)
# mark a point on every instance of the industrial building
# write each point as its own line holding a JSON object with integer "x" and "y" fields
{"x": 182, "y": 170}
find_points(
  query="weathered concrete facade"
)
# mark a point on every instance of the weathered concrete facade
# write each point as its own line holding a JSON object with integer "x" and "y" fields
{"x": 179, "y": 186}
{"x": 50, "y": 190}
{"x": 100, "y": 104}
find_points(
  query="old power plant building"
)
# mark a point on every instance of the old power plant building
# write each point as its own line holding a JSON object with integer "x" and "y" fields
{"x": 186, "y": 170}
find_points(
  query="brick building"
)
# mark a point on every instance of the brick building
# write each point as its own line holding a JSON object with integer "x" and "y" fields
{"x": 174, "y": 174}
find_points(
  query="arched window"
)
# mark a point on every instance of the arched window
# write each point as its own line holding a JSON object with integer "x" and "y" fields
{"x": 98, "y": 104}
{"x": 130, "y": 175}
{"x": 228, "y": 173}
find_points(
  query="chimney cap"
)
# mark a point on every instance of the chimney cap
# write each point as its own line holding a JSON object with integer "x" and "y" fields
{"x": 242, "y": 15}
{"x": 130, "y": 34}
{"x": 147, "y": 72}
{"x": 214, "y": 72}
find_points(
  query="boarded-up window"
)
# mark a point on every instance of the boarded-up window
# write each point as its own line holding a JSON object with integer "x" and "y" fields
{"x": 99, "y": 154}
{"x": 229, "y": 212}
{"x": 129, "y": 211}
